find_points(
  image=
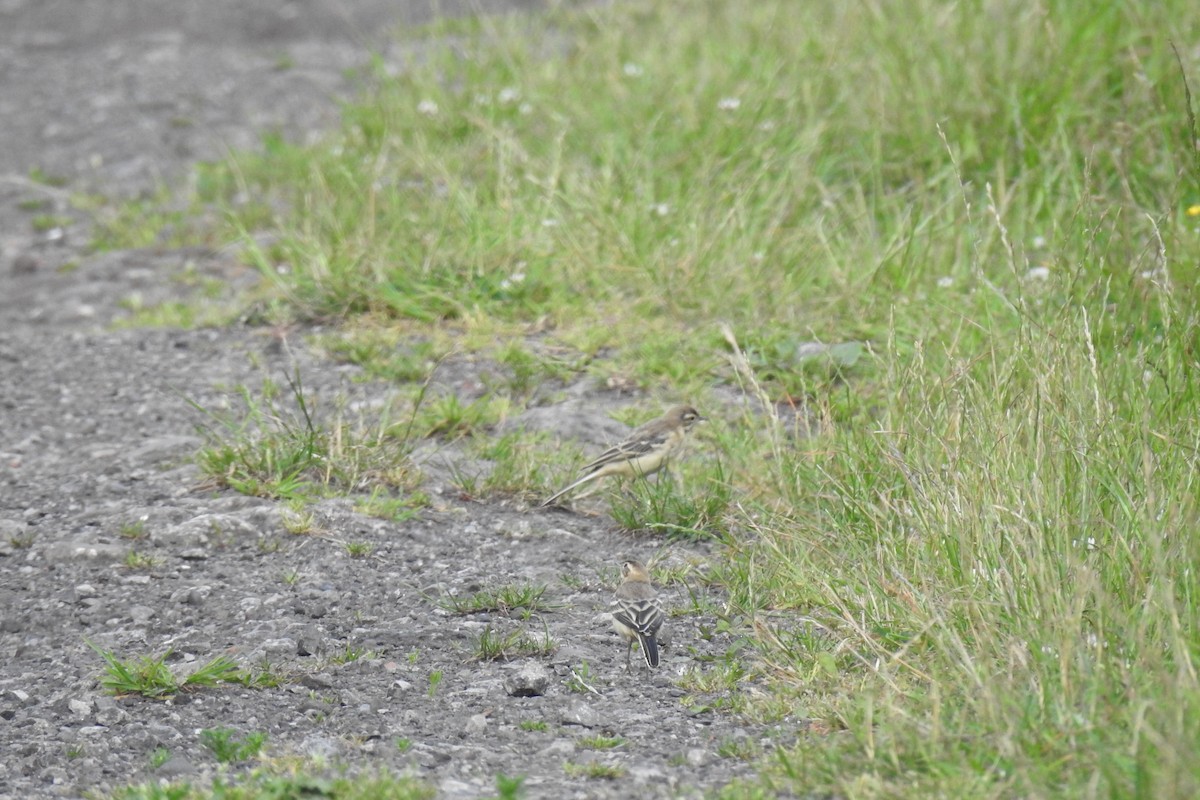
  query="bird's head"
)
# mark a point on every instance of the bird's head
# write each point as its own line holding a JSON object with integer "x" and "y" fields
{"x": 686, "y": 415}
{"x": 633, "y": 570}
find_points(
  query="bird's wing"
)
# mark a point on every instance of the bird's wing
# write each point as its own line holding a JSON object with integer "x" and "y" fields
{"x": 638, "y": 444}
{"x": 643, "y": 615}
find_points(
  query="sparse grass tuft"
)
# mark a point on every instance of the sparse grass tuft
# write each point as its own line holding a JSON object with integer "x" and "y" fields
{"x": 594, "y": 769}
{"x": 493, "y": 646}
{"x": 449, "y": 417}
{"x": 581, "y": 679}
{"x": 358, "y": 549}
{"x": 133, "y": 531}
{"x": 742, "y": 749}
{"x": 385, "y": 353}
{"x": 281, "y": 449}
{"x": 150, "y": 676}
{"x": 22, "y": 541}
{"x": 136, "y": 560}
{"x": 525, "y": 598}
{"x": 227, "y": 749}
{"x": 351, "y": 654}
{"x": 662, "y": 507}
{"x": 508, "y": 788}
{"x": 519, "y": 464}
{"x": 397, "y": 509}
{"x": 297, "y": 518}
{"x": 600, "y": 742}
{"x": 146, "y": 676}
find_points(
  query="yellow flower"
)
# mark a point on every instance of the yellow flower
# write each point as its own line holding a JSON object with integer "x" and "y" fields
{"x": 1194, "y": 211}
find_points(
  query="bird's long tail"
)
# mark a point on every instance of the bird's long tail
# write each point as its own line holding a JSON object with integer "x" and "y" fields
{"x": 548, "y": 501}
{"x": 649, "y": 646}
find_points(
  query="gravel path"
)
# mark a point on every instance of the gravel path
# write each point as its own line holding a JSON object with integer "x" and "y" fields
{"x": 96, "y": 437}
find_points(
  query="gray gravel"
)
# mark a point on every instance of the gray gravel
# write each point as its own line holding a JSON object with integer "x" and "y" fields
{"x": 96, "y": 437}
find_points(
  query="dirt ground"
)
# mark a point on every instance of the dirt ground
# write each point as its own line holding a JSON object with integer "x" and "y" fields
{"x": 96, "y": 435}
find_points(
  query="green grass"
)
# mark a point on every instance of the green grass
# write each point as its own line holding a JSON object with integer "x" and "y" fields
{"x": 581, "y": 679}
{"x": 136, "y": 560}
{"x": 509, "y": 788}
{"x": 396, "y": 509}
{"x": 134, "y": 530}
{"x": 495, "y": 646}
{"x": 594, "y": 770}
{"x": 695, "y": 510}
{"x": 280, "y": 447}
{"x": 521, "y": 599}
{"x": 600, "y": 742}
{"x": 358, "y": 549}
{"x": 977, "y": 578}
{"x": 518, "y": 464}
{"x": 150, "y": 676}
{"x": 227, "y": 748}
{"x": 351, "y": 654}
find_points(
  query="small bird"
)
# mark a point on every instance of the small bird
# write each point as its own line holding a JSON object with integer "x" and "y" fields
{"x": 636, "y": 611}
{"x": 643, "y": 452}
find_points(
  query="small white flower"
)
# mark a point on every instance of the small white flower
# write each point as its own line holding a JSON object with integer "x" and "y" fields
{"x": 512, "y": 280}
{"x": 661, "y": 209}
{"x": 549, "y": 222}
{"x": 508, "y": 95}
{"x": 1037, "y": 274}
{"x": 632, "y": 70}
{"x": 729, "y": 103}
{"x": 945, "y": 282}
{"x": 525, "y": 108}
{"x": 427, "y": 107}
{"x": 1039, "y": 242}
{"x": 759, "y": 255}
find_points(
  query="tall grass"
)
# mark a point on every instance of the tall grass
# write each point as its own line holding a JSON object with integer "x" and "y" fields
{"x": 1009, "y": 560}
{"x": 790, "y": 163}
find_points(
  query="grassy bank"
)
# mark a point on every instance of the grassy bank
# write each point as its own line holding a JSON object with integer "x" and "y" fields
{"x": 980, "y": 576}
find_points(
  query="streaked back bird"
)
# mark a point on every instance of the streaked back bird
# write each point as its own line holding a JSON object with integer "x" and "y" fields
{"x": 637, "y": 612}
{"x": 645, "y": 451}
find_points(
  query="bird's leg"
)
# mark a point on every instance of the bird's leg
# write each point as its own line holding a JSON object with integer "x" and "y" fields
{"x": 628, "y": 650}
